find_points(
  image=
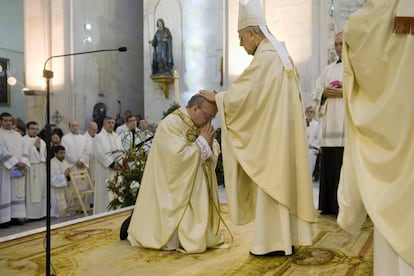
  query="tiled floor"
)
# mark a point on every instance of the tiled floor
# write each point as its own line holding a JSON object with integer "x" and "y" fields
{"x": 18, "y": 230}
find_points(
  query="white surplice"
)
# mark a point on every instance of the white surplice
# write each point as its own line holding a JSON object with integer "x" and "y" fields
{"x": 76, "y": 149}
{"x": 107, "y": 148}
{"x": 58, "y": 183}
{"x": 36, "y": 179}
{"x": 12, "y": 190}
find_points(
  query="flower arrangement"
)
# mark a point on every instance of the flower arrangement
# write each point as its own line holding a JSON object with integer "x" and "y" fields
{"x": 125, "y": 184}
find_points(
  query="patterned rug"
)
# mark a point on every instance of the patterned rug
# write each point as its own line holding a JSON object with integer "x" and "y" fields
{"x": 93, "y": 248}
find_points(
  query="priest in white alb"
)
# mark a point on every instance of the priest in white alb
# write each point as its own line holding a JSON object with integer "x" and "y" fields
{"x": 107, "y": 149}
{"x": 77, "y": 150}
{"x": 14, "y": 160}
{"x": 59, "y": 176}
{"x": 36, "y": 179}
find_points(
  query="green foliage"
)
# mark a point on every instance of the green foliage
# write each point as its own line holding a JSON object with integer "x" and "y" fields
{"x": 125, "y": 185}
{"x": 171, "y": 109}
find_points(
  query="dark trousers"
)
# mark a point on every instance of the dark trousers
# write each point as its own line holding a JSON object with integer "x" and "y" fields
{"x": 331, "y": 164}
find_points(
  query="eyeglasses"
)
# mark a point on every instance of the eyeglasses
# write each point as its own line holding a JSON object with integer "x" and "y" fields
{"x": 208, "y": 116}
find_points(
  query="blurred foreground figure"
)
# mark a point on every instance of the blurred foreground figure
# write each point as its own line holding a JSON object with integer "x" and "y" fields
{"x": 377, "y": 176}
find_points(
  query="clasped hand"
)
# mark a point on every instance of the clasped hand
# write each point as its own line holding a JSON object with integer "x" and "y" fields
{"x": 332, "y": 92}
{"x": 208, "y": 133}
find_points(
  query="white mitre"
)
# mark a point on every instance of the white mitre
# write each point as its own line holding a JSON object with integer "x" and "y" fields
{"x": 251, "y": 14}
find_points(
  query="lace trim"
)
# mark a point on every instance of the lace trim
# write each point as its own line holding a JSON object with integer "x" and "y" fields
{"x": 206, "y": 152}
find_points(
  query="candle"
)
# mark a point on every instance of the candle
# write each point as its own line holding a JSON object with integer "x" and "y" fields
{"x": 176, "y": 86}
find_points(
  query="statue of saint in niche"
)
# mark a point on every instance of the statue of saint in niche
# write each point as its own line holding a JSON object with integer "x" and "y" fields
{"x": 162, "y": 62}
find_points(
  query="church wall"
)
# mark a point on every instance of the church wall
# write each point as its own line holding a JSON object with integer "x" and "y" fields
{"x": 11, "y": 48}
{"x": 196, "y": 27}
{"x": 79, "y": 82}
{"x": 203, "y": 33}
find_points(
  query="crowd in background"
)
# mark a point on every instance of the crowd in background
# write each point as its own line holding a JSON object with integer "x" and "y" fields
{"x": 23, "y": 153}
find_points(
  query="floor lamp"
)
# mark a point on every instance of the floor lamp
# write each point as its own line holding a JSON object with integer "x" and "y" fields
{"x": 48, "y": 75}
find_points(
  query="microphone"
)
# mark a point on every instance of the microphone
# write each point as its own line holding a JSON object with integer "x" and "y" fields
{"x": 120, "y": 49}
{"x": 48, "y": 75}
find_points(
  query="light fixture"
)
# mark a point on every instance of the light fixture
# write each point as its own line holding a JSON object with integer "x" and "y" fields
{"x": 12, "y": 81}
{"x": 88, "y": 27}
{"x": 87, "y": 39}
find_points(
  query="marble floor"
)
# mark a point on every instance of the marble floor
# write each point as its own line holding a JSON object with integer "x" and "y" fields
{"x": 30, "y": 226}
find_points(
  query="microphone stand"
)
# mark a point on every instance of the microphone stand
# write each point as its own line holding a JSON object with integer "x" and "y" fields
{"x": 48, "y": 75}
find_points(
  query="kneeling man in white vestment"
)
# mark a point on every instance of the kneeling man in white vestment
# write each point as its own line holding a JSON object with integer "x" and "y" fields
{"x": 178, "y": 205}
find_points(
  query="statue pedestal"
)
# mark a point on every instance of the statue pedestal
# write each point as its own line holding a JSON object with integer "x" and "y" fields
{"x": 164, "y": 81}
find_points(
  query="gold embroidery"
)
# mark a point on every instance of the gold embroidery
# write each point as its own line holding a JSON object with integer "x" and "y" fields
{"x": 192, "y": 133}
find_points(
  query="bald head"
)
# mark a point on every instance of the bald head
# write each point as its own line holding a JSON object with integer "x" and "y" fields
{"x": 201, "y": 111}
{"x": 74, "y": 126}
{"x": 92, "y": 129}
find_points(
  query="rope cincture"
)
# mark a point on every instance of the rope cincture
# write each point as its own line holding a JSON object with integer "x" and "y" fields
{"x": 192, "y": 134}
{"x": 206, "y": 171}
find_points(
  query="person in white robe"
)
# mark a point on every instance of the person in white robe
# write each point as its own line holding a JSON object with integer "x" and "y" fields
{"x": 146, "y": 133}
{"x": 14, "y": 160}
{"x": 377, "y": 176}
{"x": 312, "y": 132}
{"x": 77, "y": 151}
{"x": 36, "y": 178}
{"x": 264, "y": 145}
{"x": 59, "y": 173}
{"x": 329, "y": 106}
{"x": 89, "y": 136}
{"x": 130, "y": 137}
{"x": 120, "y": 129}
{"x": 77, "y": 156}
{"x": 108, "y": 150}
{"x": 178, "y": 206}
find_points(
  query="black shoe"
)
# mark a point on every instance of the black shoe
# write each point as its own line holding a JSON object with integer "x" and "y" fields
{"x": 17, "y": 221}
{"x": 5, "y": 225}
{"x": 277, "y": 253}
{"x": 35, "y": 219}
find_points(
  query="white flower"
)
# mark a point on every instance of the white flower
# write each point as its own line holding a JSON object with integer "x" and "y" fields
{"x": 119, "y": 180}
{"x": 121, "y": 199}
{"x": 134, "y": 185}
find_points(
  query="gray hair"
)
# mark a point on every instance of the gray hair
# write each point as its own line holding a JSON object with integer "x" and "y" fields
{"x": 197, "y": 100}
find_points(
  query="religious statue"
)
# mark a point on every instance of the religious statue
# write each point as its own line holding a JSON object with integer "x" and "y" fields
{"x": 162, "y": 62}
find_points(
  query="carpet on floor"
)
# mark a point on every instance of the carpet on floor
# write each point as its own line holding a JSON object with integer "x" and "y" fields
{"x": 93, "y": 247}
